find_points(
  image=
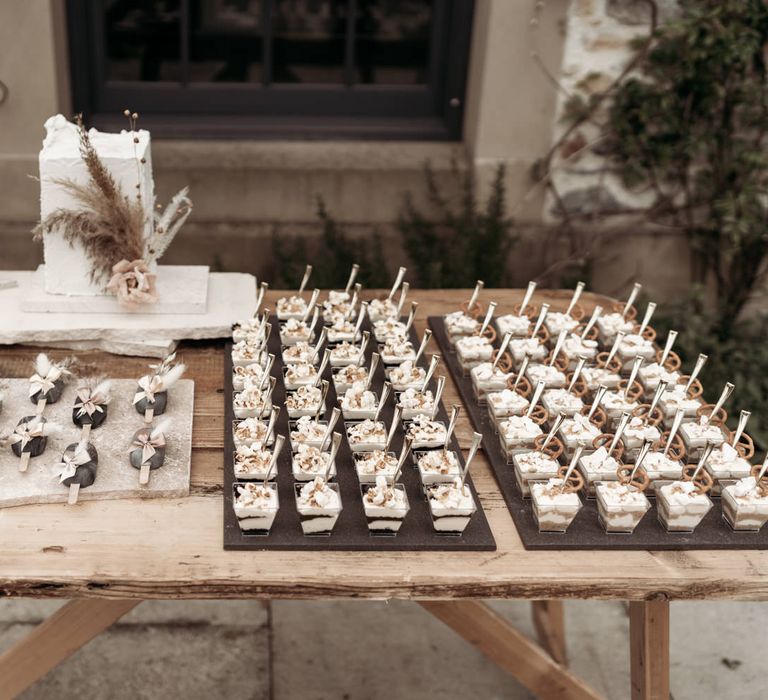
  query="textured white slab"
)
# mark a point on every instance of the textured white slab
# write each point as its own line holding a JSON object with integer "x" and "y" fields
{"x": 159, "y": 348}
{"x": 231, "y": 297}
{"x": 115, "y": 477}
{"x": 183, "y": 289}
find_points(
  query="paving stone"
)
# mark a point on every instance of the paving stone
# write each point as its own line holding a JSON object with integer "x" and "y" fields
{"x": 233, "y": 613}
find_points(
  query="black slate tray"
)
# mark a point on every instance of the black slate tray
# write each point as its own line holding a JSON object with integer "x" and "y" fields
{"x": 585, "y": 532}
{"x": 351, "y": 530}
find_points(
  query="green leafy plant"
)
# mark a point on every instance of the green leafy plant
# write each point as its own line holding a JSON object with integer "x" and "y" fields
{"x": 457, "y": 243}
{"x": 332, "y": 257}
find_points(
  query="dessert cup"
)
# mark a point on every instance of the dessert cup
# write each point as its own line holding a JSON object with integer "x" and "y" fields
{"x": 534, "y": 348}
{"x": 294, "y": 331}
{"x": 345, "y": 354}
{"x": 661, "y": 470}
{"x": 255, "y": 507}
{"x": 553, "y": 508}
{"x": 745, "y": 507}
{"x": 459, "y": 325}
{"x": 307, "y": 431}
{"x": 727, "y": 467}
{"x": 556, "y": 322}
{"x": 344, "y": 378}
{"x": 486, "y": 379}
{"x": 532, "y": 467}
{"x": 305, "y": 401}
{"x": 244, "y": 354}
{"x": 557, "y": 401}
{"x": 575, "y": 347}
{"x": 380, "y": 309}
{"x": 414, "y": 403}
{"x": 651, "y": 374}
{"x": 243, "y": 376}
{"x": 425, "y": 433}
{"x": 298, "y": 375}
{"x": 552, "y": 377}
{"x": 609, "y": 325}
{"x": 620, "y": 507}
{"x": 578, "y": 431}
{"x": 289, "y": 307}
{"x": 680, "y": 507}
{"x": 597, "y": 466}
{"x": 319, "y": 506}
{"x": 696, "y": 436}
{"x": 397, "y": 350}
{"x": 505, "y": 403}
{"x": 389, "y": 328}
{"x": 636, "y": 432}
{"x": 675, "y": 399}
{"x": 369, "y": 466}
{"x": 251, "y": 431}
{"x": 518, "y": 326}
{"x": 342, "y": 330}
{"x": 437, "y": 466}
{"x": 473, "y": 351}
{"x": 309, "y": 462}
{"x": 633, "y": 346}
{"x": 595, "y": 376}
{"x": 359, "y": 402}
{"x": 406, "y": 376}
{"x": 385, "y": 506}
{"x": 451, "y": 506}
{"x": 298, "y": 354}
{"x": 252, "y": 402}
{"x": 617, "y": 402}
{"x": 252, "y": 462}
{"x": 517, "y": 434}
{"x": 366, "y": 436}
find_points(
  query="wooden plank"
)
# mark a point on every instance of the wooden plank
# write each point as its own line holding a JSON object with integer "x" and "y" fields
{"x": 56, "y": 639}
{"x": 549, "y": 622}
{"x": 649, "y": 649}
{"x": 88, "y": 550}
{"x": 492, "y": 635}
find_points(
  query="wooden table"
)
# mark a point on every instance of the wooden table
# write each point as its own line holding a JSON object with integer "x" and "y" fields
{"x": 108, "y": 556}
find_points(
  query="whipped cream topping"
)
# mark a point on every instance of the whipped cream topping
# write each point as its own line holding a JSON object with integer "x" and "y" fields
{"x": 251, "y": 429}
{"x": 399, "y": 347}
{"x": 702, "y": 430}
{"x": 517, "y": 427}
{"x": 551, "y": 493}
{"x": 595, "y": 376}
{"x": 439, "y": 462}
{"x": 474, "y": 347}
{"x": 351, "y": 374}
{"x": 508, "y": 400}
{"x": 579, "y": 428}
{"x": 422, "y": 429}
{"x": 291, "y": 305}
{"x": 557, "y": 322}
{"x": 459, "y": 322}
{"x": 301, "y": 352}
{"x": 304, "y": 397}
{"x": 746, "y": 491}
{"x": 485, "y": 372}
{"x": 524, "y": 346}
{"x": 318, "y": 494}
{"x": 599, "y": 461}
{"x": 251, "y": 459}
{"x": 345, "y": 351}
{"x": 389, "y": 327}
{"x": 633, "y": 343}
{"x": 561, "y": 400}
{"x": 612, "y": 323}
{"x": 546, "y": 373}
{"x": 311, "y": 460}
{"x": 535, "y": 461}
{"x": 618, "y": 401}
{"x": 357, "y": 397}
{"x": 244, "y": 351}
{"x": 307, "y": 429}
{"x": 294, "y": 328}
{"x": 656, "y": 372}
{"x": 677, "y": 398}
{"x": 683, "y": 493}
{"x": 575, "y": 346}
{"x": 341, "y": 326}
{"x": 637, "y": 429}
{"x": 367, "y": 431}
{"x": 251, "y": 398}
{"x": 300, "y": 373}
{"x": 415, "y": 399}
{"x": 656, "y": 462}
{"x": 726, "y": 457}
{"x": 381, "y": 308}
{"x": 377, "y": 462}
{"x": 249, "y": 374}
{"x": 617, "y": 494}
{"x": 254, "y": 495}
{"x": 452, "y": 496}
{"x": 384, "y": 496}
{"x": 407, "y": 373}
{"x": 510, "y": 323}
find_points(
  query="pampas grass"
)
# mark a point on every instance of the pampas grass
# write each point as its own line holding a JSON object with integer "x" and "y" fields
{"x": 161, "y": 428}
{"x": 173, "y": 375}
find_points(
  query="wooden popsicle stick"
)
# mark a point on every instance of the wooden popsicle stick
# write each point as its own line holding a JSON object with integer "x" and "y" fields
{"x": 144, "y": 474}
{"x": 41, "y": 406}
{"x": 86, "y": 432}
{"x": 149, "y": 414}
{"x": 24, "y": 461}
{"x": 74, "y": 491}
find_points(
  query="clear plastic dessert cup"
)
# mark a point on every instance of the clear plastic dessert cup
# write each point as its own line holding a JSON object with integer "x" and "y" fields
{"x": 620, "y": 507}
{"x": 554, "y": 510}
{"x": 255, "y": 507}
{"x": 680, "y": 508}
{"x": 745, "y": 508}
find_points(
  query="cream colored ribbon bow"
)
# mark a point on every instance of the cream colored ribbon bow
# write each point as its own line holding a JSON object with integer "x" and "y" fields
{"x": 150, "y": 386}
{"x": 148, "y": 445}
{"x": 70, "y": 462}
{"x": 88, "y": 403}
{"x": 24, "y": 432}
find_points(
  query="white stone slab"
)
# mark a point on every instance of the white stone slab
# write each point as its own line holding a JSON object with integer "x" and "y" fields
{"x": 157, "y": 349}
{"x": 115, "y": 477}
{"x": 182, "y": 289}
{"x": 231, "y": 297}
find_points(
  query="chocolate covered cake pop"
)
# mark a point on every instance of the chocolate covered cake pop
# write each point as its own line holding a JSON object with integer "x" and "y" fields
{"x": 47, "y": 382}
{"x": 78, "y": 467}
{"x": 91, "y": 405}
{"x": 147, "y": 450}
{"x": 151, "y": 398}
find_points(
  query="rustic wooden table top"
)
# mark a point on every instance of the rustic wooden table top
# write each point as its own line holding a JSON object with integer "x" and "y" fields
{"x": 173, "y": 548}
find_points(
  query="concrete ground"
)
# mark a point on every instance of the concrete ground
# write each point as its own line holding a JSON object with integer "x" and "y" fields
{"x": 370, "y": 651}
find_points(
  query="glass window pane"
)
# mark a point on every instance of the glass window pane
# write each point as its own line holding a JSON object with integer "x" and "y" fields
{"x": 308, "y": 41}
{"x": 393, "y": 41}
{"x": 225, "y": 41}
{"x": 143, "y": 40}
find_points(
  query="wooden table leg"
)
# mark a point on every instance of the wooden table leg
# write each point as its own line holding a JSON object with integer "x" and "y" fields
{"x": 491, "y": 634}
{"x": 56, "y": 639}
{"x": 649, "y": 649}
{"x": 549, "y": 621}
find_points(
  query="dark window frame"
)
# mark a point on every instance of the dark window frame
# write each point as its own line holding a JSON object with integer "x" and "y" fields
{"x": 178, "y": 110}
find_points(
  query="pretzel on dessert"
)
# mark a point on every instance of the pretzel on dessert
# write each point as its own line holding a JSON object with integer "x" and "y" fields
{"x": 561, "y": 361}
{"x": 580, "y": 388}
{"x": 601, "y": 361}
{"x": 673, "y": 361}
{"x": 695, "y": 390}
{"x": 599, "y": 417}
{"x": 618, "y": 308}
{"x": 531, "y": 310}
{"x": 553, "y": 450}
{"x": 505, "y": 364}
{"x": 575, "y": 481}
{"x": 523, "y": 386}
{"x": 761, "y": 483}
{"x": 634, "y": 392}
{"x": 705, "y": 410}
{"x": 591, "y": 335}
{"x": 539, "y": 415}
{"x": 639, "y": 480}
{"x": 604, "y": 440}
{"x": 649, "y": 332}
{"x": 643, "y": 411}
{"x": 676, "y": 449}
{"x": 703, "y": 480}
{"x": 489, "y": 333}
{"x": 477, "y": 309}
{"x": 543, "y": 334}
{"x": 745, "y": 446}
{"x": 577, "y": 312}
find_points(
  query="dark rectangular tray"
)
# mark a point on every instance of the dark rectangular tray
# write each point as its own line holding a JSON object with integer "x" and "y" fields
{"x": 351, "y": 530}
{"x": 585, "y": 531}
